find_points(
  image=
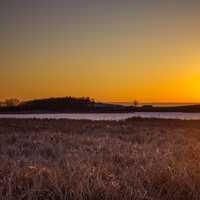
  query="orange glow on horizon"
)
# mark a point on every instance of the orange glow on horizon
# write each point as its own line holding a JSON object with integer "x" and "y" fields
{"x": 115, "y": 52}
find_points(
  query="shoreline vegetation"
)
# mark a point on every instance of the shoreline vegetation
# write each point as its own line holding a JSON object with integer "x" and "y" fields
{"x": 84, "y": 105}
{"x": 139, "y": 159}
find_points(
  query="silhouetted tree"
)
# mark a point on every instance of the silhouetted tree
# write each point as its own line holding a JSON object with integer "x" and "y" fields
{"x": 135, "y": 103}
{"x": 11, "y": 102}
{"x": 64, "y": 103}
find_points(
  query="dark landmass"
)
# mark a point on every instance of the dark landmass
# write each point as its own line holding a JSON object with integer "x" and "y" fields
{"x": 86, "y": 105}
{"x": 139, "y": 159}
{"x": 63, "y": 105}
{"x": 186, "y": 109}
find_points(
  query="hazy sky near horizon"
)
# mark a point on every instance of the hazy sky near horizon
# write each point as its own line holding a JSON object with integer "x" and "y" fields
{"x": 111, "y": 50}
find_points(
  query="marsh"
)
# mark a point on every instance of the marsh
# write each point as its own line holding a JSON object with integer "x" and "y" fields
{"x": 81, "y": 159}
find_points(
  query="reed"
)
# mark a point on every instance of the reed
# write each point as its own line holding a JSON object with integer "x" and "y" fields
{"x": 135, "y": 159}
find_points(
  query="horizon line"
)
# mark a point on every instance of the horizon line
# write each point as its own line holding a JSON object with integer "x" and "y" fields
{"x": 105, "y": 101}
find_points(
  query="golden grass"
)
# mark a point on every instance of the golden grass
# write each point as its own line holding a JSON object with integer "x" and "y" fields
{"x": 135, "y": 159}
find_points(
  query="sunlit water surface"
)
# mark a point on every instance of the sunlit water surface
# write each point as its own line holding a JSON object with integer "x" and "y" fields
{"x": 106, "y": 116}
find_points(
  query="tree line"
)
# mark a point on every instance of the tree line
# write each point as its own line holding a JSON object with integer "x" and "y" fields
{"x": 61, "y": 103}
{"x": 9, "y": 103}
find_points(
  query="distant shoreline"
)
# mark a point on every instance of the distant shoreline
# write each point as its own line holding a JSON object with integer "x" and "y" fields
{"x": 87, "y": 105}
{"x": 156, "y": 104}
{"x": 180, "y": 109}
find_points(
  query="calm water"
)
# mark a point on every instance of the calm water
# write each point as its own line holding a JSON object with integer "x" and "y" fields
{"x": 106, "y": 116}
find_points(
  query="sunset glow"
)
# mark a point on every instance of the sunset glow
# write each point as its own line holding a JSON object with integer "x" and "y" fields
{"x": 109, "y": 50}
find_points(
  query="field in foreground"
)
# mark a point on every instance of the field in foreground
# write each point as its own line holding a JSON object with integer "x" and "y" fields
{"x": 134, "y": 159}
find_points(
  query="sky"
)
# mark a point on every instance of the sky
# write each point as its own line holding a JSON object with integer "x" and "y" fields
{"x": 110, "y": 50}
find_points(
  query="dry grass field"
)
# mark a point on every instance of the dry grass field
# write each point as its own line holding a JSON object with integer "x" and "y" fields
{"x": 135, "y": 159}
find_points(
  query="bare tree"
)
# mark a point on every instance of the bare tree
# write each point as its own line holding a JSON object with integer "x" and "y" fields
{"x": 11, "y": 102}
{"x": 135, "y": 103}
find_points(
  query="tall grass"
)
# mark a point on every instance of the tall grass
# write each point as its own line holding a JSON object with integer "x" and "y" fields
{"x": 65, "y": 159}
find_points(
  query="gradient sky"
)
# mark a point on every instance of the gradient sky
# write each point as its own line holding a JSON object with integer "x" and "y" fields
{"x": 110, "y": 50}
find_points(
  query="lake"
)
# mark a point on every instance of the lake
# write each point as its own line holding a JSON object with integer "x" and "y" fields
{"x": 105, "y": 116}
